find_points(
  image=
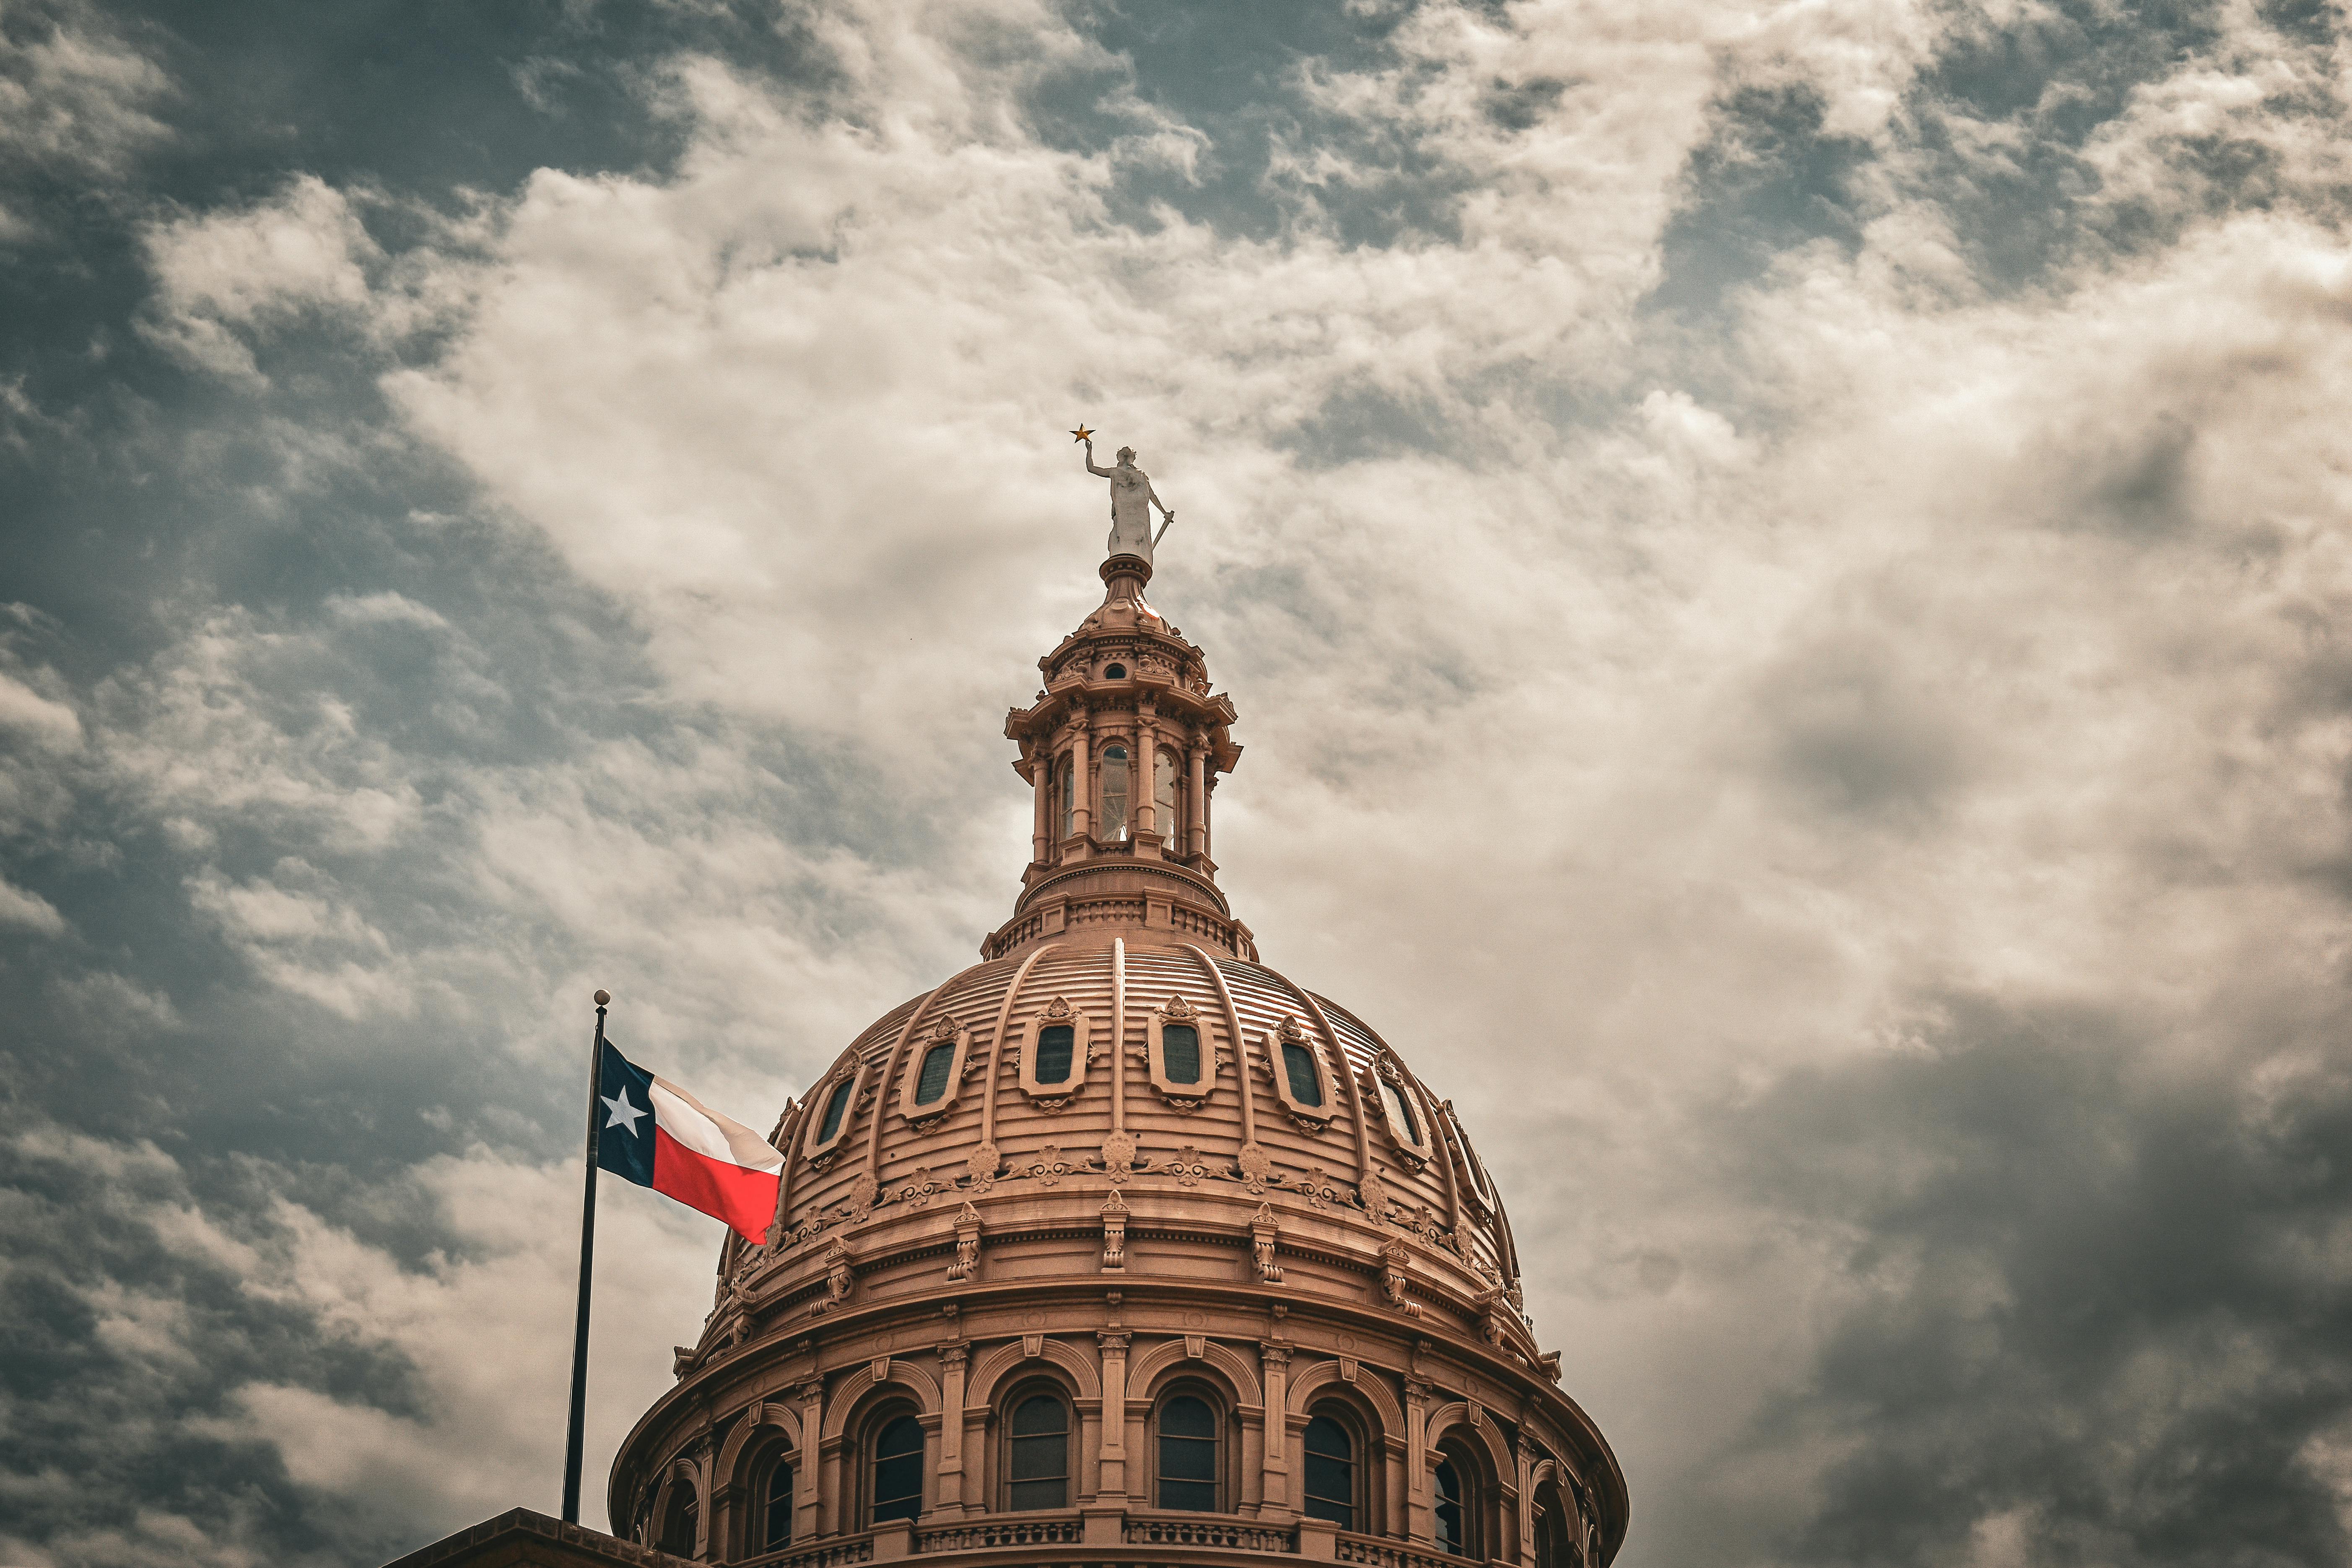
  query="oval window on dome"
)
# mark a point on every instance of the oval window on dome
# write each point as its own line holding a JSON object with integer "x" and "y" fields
{"x": 931, "y": 1082}
{"x": 835, "y": 1104}
{"x": 1403, "y": 1109}
{"x": 1298, "y": 1066}
{"x": 1114, "y": 672}
{"x": 1180, "y": 1052}
{"x": 1055, "y": 1047}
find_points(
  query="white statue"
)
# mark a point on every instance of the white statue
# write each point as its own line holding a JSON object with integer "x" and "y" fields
{"x": 1132, "y": 500}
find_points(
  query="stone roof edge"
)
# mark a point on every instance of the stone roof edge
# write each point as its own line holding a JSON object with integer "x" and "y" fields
{"x": 587, "y": 1547}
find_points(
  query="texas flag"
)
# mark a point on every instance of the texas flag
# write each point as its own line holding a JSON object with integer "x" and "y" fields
{"x": 658, "y": 1136}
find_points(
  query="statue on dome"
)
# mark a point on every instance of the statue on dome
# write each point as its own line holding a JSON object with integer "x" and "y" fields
{"x": 1132, "y": 500}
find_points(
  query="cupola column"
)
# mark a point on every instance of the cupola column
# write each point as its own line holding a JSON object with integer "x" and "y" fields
{"x": 1197, "y": 797}
{"x": 1040, "y": 814}
{"x": 1082, "y": 779}
{"x": 1142, "y": 783}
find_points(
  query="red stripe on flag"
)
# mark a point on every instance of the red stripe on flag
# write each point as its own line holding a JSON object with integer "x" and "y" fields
{"x": 745, "y": 1199}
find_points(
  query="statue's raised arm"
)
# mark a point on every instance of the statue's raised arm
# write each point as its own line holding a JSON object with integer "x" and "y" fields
{"x": 1132, "y": 500}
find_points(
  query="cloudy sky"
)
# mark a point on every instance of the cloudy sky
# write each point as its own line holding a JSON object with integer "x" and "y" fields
{"x": 1783, "y": 566}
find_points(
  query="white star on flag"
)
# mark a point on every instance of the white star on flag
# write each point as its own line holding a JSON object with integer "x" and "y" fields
{"x": 625, "y": 1115}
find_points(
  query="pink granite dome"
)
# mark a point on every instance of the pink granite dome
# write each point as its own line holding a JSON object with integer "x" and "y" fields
{"x": 1116, "y": 1178}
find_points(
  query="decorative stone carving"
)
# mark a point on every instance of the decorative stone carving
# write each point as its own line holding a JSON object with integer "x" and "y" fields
{"x": 1264, "y": 1230}
{"x": 980, "y": 1171}
{"x": 1187, "y": 1167}
{"x": 920, "y": 1192}
{"x": 1393, "y": 1287}
{"x": 839, "y": 1278}
{"x": 865, "y": 1193}
{"x": 1321, "y": 1191}
{"x": 1254, "y": 1168}
{"x": 967, "y": 1245}
{"x": 1048, "y": 1168}
{"x": 1119, "y": 1158}
{"x": 1114, "y": 1224}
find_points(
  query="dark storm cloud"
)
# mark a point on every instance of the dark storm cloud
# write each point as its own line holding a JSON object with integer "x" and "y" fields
{"x": 2100, "y": 1312}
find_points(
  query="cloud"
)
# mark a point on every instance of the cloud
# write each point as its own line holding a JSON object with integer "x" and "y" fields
{"x": 1782, "y": 572}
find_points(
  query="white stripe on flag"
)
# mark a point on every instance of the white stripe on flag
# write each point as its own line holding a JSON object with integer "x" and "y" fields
{"x": 707, "y": 1132}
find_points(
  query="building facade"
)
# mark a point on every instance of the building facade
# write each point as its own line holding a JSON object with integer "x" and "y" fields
{"x": 1119, "y": 1246}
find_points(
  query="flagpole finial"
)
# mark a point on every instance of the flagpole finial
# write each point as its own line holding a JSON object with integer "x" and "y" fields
{"x": 602, "y": 997}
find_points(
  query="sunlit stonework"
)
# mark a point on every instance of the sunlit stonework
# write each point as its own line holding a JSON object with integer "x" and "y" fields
{"x": 1119, "y": 1246}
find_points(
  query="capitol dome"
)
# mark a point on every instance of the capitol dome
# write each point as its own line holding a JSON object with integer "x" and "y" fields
{"x": 1120, "y": 1246}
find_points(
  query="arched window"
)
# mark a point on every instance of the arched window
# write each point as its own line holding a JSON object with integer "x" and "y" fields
{"x": 1069, "y": 797}
{"x": 1298, "y": 1066}
{"x": 898, "y": 1470}
{"x": 1188, "y": 1455}
{"x": 775, "y": 1505}
{"x": 1164, "y": 820}
{"x": 1113, "y": 825}
{"x": 1450, "y": 1519}
{"x": 678, "y": 1523}
{"x": 1038, "y": 1468}
{"x": 931, "y": 1081}
{"x": 1180, "y": 1052}
{"x": 1555, "y": 1548}
{"x": 835, "y": 1105}
{"x": 1330, "y": 1472}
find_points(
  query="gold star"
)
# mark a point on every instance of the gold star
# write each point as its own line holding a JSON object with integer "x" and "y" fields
{"x": 1081, "y": 433}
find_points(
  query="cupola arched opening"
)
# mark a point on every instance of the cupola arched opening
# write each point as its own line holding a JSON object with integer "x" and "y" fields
{"x": 1167, "y": 823}
{"x": 1113, "y": 826}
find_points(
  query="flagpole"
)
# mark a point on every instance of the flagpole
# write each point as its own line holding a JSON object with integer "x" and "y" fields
{"x": 572, "y": 1436}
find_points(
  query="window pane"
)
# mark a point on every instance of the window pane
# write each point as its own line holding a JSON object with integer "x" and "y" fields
{"x": 1338, "y": 1513}
{"x": 833, "y": 1106}
{"x": 899, "y": 1470}
{"x": 779, "y": 1507}
{"x": 1040, "y": 1459}
{"x": 1164, "y": 798}
{"x": 1113, "y": 794}
{"x": 1055, "y": 1045}
{"x": 1024, "y": 1495}
{"x": 1298, "y": 1062}
{"x": 1180, "y": 1052}
{"x": 1039, "y": 1416}
{"x": 1069, "y": 796}
{"x": 1449, "y": 1509}
{"x": 1197, "y": 1497}
{"x": 933, "y": 1080}
{"x": 1403, "y": 1109}
{"x": 1187, "y": 1418}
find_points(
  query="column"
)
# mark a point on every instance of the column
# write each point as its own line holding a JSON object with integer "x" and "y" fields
{"x": 1524, "y": 1454}
{"x": 1420, "y": 1518}
{"x": 951, "y": 1369}
{"x": 808, "y": 1511}
{"x": 1041, "y": 815}
{"x": 1147, "y": 763}
{"x": 1082, "y": 782}
{"x": 1197, "y": 798}
{"x": 1275, "y": 1361}
{"x": 1112, "y": 1457}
